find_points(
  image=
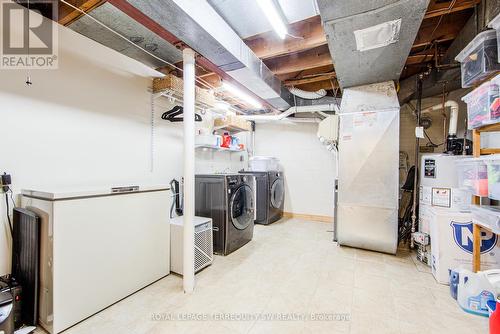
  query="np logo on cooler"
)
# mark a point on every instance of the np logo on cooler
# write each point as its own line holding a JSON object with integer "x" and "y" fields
{"x": 463, "y": 235}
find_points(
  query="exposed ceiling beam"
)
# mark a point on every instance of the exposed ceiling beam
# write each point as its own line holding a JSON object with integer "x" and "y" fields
{"x": 319, "y": 56}
{"x": 449, "y": 27}
{"x": 312, "y": 79}
{"x": 67, "y": 14}
{"x": 438, "y": 9}
{"x": 307, "y": 34}
{"x": 325, "y": 84}
{"x": 267, "y": 45}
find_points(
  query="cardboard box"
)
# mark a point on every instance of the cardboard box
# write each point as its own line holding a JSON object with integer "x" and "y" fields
{"x": 451, "y": 243}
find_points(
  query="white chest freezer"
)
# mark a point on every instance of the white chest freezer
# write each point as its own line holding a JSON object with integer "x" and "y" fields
{"x": 97, "y": 247}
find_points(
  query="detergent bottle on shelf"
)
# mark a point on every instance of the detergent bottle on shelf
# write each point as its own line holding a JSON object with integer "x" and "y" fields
{"x": 476, "y": 289}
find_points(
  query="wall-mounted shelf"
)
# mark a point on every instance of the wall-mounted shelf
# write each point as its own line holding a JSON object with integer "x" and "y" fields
{"x": 231, "y": 129}
{"x": 218, "y": 148}
{"x": 232, "y": 124}
{"x": 172, "y": 85}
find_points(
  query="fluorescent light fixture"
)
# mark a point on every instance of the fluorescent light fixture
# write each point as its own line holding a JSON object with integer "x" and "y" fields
{"x": 274, "y": 17}
{"x": 243, "y": 96}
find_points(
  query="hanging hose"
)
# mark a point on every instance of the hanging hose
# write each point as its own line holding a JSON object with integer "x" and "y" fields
{"x": 306, "y": 94}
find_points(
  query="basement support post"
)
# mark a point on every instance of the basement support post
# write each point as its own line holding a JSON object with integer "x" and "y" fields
{"x": 189, "y": 179}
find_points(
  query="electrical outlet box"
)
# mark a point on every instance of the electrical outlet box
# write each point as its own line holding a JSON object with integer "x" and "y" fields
{"x": 5, "y": 181}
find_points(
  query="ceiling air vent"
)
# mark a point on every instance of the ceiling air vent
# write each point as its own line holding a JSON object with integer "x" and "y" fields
{"x": 377, "y": 36}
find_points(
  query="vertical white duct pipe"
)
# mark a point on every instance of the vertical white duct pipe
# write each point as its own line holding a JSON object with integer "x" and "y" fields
{"x": 452, "y": 129}
{"x": 189, "y": 179}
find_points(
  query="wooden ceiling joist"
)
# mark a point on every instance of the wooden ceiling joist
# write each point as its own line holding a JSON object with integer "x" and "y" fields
{"x": 319, "y": 56}
{"x": 440, "y": 30}
{"x": 307, "y": 34}
{"x": 443, "y": 8}
{"x": 68, "y": 14}
{"x": 312, "y": 79}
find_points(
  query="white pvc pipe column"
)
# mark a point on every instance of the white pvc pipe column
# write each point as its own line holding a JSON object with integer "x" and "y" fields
{"x": 189, "y": 133}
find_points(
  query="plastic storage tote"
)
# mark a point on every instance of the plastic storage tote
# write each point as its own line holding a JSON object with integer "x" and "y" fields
{"x": 479, "y": 59}
{"x": 495, "y": 24}
{"x": 493, "y": 165}
{"x": 473, "y": 175}
{"x": 479, "y": 103}
{"x": 487, "y": 216}
{"x": 495, "y": 105}
{"x": 207, "y": 140}
{"x": 264, "y": 164}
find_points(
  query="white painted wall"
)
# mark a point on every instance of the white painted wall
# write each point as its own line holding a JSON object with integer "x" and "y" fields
{"x": 309, "y": 168}
{"x": 88, "y": 124}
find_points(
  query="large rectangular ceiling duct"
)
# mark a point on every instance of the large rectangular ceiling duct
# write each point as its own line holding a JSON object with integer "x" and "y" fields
{"x": 136, "y": 33}
{"x": 197, "y": 24}
{"x": 370, "y": 39}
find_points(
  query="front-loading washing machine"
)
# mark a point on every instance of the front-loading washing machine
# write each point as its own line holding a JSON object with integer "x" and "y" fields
{"x": 229, "y": 199}
{"x": 261, "y": 196}
{"x": 276, "y": 195}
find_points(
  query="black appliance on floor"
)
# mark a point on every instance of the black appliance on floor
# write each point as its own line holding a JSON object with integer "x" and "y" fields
{"x": 229, "y": 200}
{"x": 6, "y": 312}
{"x": 276, "y": 195}
{"x": 270, "y": 195}
{"x": 26, "y": 261}
{"x": 261, "y": 196}
{"x": 10, "y": 305}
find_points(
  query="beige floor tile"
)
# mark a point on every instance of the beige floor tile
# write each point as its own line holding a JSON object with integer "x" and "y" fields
{"x": 293, "y": 268}
{"x": 365, "y": 323}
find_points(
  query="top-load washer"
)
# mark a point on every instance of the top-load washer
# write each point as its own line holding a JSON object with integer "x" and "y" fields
{"x": 229, "y": 200}
{"x": 276, "y": 195}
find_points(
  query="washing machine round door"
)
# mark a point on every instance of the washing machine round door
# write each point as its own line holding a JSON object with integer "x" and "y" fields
{"x": 242, "y": 212}
{"x": 277, "y": 192}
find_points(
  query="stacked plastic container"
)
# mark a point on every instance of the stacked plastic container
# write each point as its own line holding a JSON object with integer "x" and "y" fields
{"x": 264, "y": 164}
{"x": 482, "y": 177}
{"x": 495, "y": 24}
{"x": 493, "y": 170}
{"x": 486, "y": 216}
{"x": 473, "y": 176}
{"x": 479, "y": 59}
{"x": 483, "y": 104}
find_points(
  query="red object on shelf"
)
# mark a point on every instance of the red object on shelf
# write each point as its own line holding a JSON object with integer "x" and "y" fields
{"x": 495, "y": 108}
{"x": 495, "y": 320}
{"x": 226, "y": 140}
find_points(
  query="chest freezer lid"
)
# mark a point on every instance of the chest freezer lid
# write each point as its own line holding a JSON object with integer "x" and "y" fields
{"x": 196, "y": 221}
{"x": 86, "y": 192}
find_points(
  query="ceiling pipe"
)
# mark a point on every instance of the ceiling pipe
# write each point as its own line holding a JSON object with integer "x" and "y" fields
{"x": 293, "y": 110}
{"x": 452, "y": 129}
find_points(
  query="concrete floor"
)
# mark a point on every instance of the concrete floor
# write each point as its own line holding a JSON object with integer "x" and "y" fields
{"x": 289, "y": 270}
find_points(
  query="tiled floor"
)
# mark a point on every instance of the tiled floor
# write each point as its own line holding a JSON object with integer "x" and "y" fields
{"x": 291, "y": 268}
